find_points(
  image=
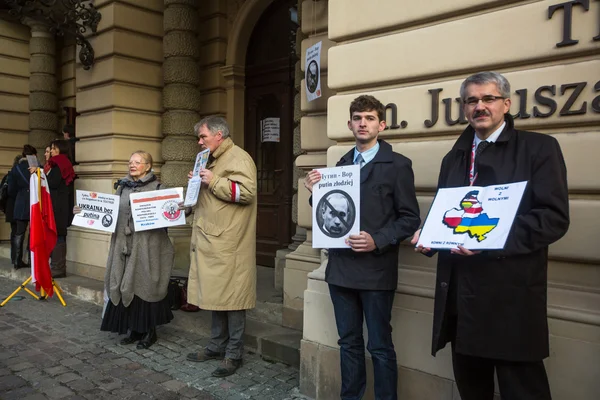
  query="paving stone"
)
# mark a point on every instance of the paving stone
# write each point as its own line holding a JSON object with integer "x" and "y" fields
{"x": 18, "y": 394}
{"x": 58, "y": 392}
{"x": 68, "y": 377}
{"x": 20, "y": 366}
{"x": 73, "y": 360}
{"x": 35, "y": 396}
{"x": 61, "y": 369}
{"x": 174, "y": 385}
{"x": 79, "y": 385}
{"x": 8, "y": 382}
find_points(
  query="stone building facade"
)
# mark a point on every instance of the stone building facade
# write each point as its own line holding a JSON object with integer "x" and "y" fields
{"x": 161, "y": 65}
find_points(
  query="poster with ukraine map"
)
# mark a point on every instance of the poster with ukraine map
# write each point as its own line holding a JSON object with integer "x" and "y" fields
{"x": 478, "y": 218}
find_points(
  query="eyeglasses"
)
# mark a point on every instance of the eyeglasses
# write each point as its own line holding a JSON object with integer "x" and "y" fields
{"x": 473, "y": 101}
{"x": 136, "y": 163}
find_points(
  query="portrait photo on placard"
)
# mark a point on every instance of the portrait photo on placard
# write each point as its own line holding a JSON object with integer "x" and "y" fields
{"x": 312, "y": 76}
{"x": 336, "y": 213}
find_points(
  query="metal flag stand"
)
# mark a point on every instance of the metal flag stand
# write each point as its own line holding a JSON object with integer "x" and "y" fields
{"x": 42, "y": 296}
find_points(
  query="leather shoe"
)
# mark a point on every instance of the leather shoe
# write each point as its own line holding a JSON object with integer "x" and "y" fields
{"x": 148, "y": 339}
{"x": 205, "y": 356}
{"x": 132, "y": 338}
{"x": 228, "y": 367}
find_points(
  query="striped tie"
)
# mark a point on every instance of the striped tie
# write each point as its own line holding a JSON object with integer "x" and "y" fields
{"x": 359, "y": 160}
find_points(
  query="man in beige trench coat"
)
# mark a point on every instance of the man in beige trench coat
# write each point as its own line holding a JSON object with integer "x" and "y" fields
{"x": 223, "y": 250}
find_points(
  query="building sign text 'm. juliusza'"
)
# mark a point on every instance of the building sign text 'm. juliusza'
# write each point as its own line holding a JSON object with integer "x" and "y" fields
{"x": 549, "y": 99}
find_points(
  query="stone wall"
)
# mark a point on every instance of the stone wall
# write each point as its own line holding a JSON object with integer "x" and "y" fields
{"x": 408, "y": 55}
{"x": 14, "y": 98}
{"x": 120, "y": 102}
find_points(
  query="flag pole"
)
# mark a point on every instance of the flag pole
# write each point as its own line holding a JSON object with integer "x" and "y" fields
{"x": 23, "y": 286}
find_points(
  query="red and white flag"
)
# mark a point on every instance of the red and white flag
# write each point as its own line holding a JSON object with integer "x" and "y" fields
{"x": 42, "y": 231}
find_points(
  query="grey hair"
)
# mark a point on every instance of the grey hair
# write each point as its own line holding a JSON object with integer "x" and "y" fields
{"x": 214, "y": 124}
{"x": 482, "y": 78}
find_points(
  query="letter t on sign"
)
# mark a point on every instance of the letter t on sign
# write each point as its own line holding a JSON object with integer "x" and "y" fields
{"x": 568, "y": 19}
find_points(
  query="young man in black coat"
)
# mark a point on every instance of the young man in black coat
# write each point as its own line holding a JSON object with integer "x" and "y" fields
{"x": 491, "y": 305}
{"x": 362, "y": 280}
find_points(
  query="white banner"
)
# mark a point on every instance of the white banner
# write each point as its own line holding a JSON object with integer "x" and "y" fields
{"x": 478, "y": 218}
{"x": 99, "y": 211}
{"x": 312, "y": 77}
{"x": 157, "y": 209}
{"x": 336, "y": 207}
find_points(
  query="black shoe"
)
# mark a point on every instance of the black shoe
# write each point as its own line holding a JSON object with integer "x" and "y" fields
{"x": 148, "y": 339}
{"x": 132, "y": 338}
{"x": 228, "y": 367}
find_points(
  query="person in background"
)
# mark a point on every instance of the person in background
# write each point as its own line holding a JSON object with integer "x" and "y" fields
{"x": 69, "y": 136}
{"x": 10, "y": 210}
{"x": 46, "y": 158}
{"x": 18, "y": 188}
{"x": 139, "y": 265}
{"x": 60, "y": 177}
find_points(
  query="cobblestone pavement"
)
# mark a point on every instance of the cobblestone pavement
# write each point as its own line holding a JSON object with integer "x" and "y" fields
{"x": 52, "y": 352}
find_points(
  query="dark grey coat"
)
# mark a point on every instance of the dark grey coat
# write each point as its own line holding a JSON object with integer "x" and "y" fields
{"x": 18, "y": 188}
{"x": 499, "y": 297}
{"x": 139, "y": 263}
{"x": 389, "y": 212}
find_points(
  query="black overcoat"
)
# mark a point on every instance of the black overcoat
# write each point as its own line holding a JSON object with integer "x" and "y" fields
{"x": 18, "y": 188}
{"x": 500, "y": 296}
{"x": 61, "y": 205}
{"x": 389, "y": 212}
{"x": 10, "y": 201}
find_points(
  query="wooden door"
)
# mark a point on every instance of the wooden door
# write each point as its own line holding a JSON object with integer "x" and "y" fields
{"x": 269, "y": 100}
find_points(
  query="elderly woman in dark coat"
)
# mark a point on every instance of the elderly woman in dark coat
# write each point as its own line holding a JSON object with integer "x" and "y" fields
{"x": 60, "y": 175}
{"x": 139, "y": 265}
{"x": 18, "y": 188}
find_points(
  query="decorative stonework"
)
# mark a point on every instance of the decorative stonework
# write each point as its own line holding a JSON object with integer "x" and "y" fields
{"x": 181, "y": 97}
{"x": 43, "y": 103}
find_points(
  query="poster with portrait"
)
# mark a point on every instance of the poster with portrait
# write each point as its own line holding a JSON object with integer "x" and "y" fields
{"x": 99, "y": 211}
{"x": 336, "y": 207}
{"x": 312, "y": 76}
{"x": 157, "y": 209}
{"x": 194, "y": 184}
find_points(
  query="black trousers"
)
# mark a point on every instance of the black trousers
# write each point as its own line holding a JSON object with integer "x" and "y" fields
{"x": 517, "y": 380}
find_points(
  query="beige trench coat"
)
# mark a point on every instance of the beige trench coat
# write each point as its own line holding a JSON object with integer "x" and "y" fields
{"x": 223, "y": 249}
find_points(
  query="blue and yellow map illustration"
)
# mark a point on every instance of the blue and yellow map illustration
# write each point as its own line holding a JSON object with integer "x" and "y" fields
{"x": 470, "y": 218}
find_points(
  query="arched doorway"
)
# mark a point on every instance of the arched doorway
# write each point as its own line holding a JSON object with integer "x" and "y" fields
{"x": 268, "y": 123}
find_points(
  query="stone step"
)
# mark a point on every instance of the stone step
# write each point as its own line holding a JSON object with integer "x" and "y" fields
{"x": 271, "y": 341}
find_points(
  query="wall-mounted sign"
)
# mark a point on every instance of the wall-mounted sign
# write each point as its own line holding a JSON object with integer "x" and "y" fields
{"x": 313, "y": 72}
{"x": 270, "y": 130}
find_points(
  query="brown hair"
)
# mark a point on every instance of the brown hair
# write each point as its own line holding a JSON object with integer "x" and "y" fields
{"x": 61, "y": 145}
{"x": 145, "y": 155}
{"x": 367, "y": 103}
{"x": 29, "y": 150}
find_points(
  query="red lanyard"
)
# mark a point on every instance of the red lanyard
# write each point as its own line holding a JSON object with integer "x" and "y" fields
{"x": 472, "y": 174}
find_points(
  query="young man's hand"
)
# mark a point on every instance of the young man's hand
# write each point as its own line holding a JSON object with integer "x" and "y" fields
{"x": 312, "y": 177}
{"x": 361, "y": 243}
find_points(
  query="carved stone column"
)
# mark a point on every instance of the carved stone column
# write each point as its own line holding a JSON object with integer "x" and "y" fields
{"x": 181, "y": 98}
{"x": 43, "y": 103}
{"x": 181, "y": 102}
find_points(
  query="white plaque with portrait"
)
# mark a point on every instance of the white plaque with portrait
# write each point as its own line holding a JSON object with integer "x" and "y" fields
{"x": 312, "y": 78}
{"x": 336, "y": 207}
{"x": 157, "y": 209}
